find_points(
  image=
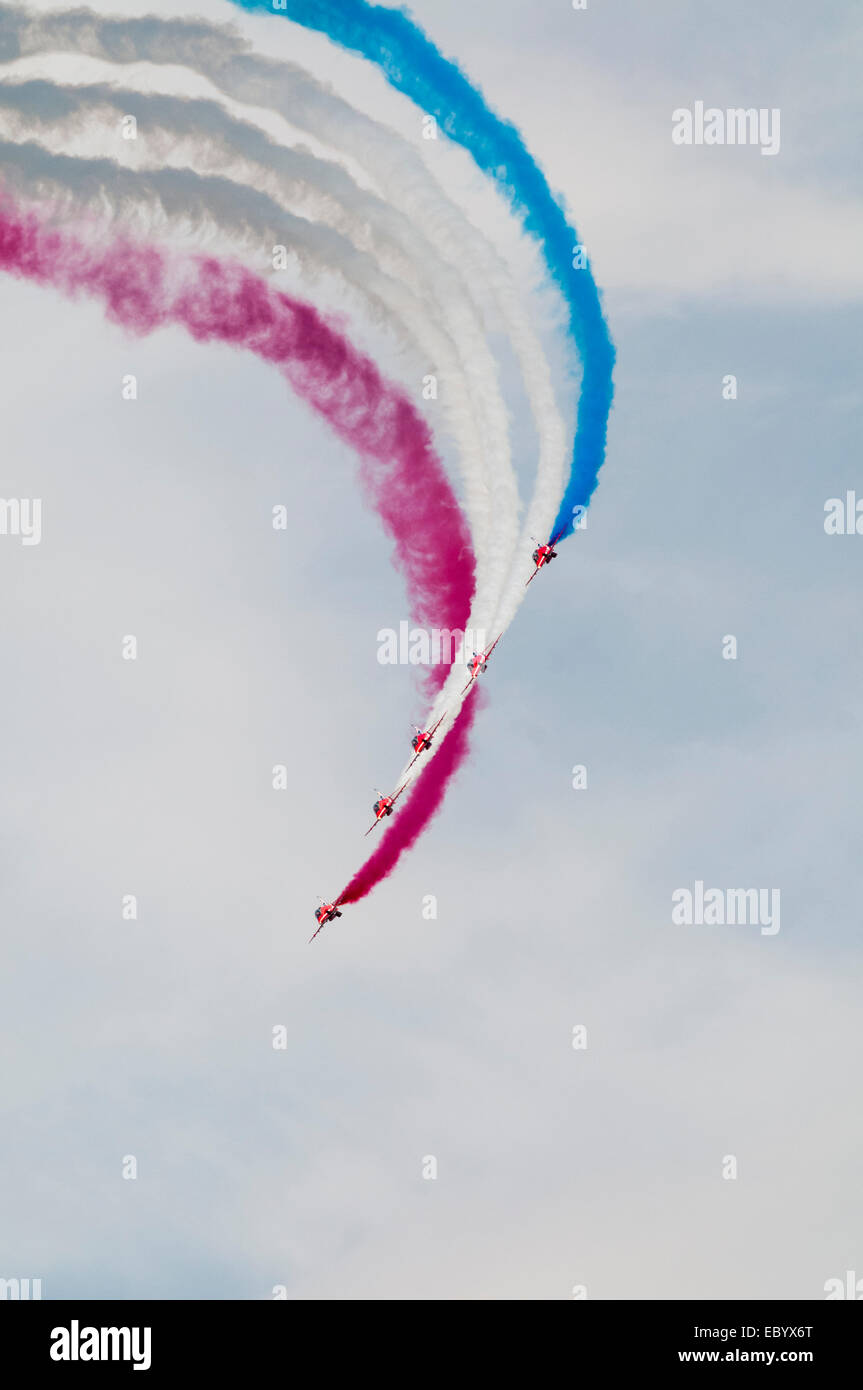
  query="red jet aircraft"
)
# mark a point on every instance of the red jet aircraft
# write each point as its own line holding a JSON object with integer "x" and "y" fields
{"x": 543, "y": 555}
{"x": 384, "y": 807}
{"x": 327, "y": 912}
{"x": 423, "y": 739}
{"x": 480, "y": 662}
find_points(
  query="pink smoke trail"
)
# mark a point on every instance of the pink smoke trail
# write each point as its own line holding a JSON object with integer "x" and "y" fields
{"x": 145, "y": 288}
{"x": 423, "y": 802}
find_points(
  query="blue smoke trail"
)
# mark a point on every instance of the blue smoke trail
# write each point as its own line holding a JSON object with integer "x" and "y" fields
{"x": 413, "y": 65}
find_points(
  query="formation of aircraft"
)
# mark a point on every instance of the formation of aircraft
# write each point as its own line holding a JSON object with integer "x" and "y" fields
{"x": 422, "y": 739}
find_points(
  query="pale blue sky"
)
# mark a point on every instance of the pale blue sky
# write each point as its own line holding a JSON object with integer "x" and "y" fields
{"x": 406, "y": 1038}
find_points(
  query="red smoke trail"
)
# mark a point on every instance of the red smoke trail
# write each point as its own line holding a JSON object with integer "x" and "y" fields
{"x": 423, "y": 801}
{"x": 145, "y": 288}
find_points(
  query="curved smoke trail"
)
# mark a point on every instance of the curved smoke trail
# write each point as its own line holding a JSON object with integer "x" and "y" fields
{"x": 239, "y": 208}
